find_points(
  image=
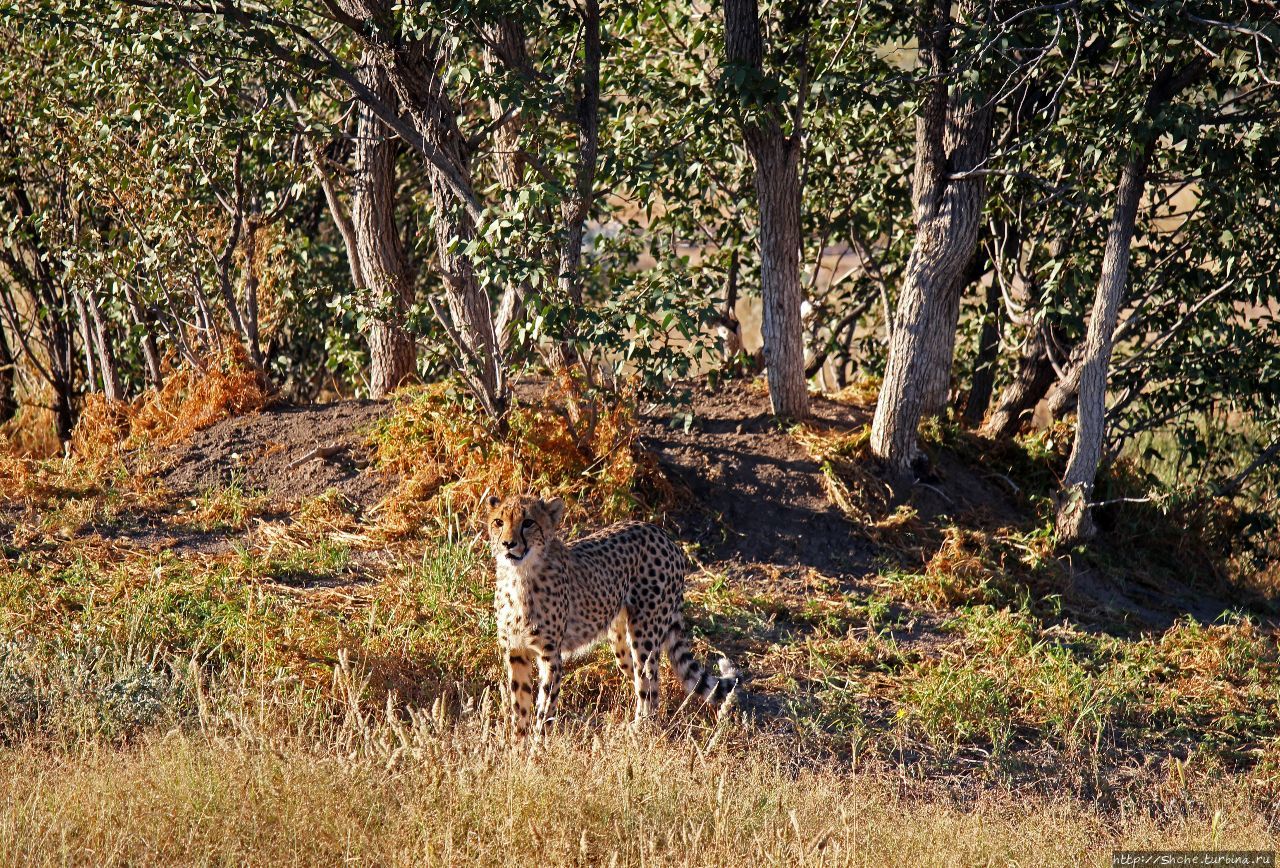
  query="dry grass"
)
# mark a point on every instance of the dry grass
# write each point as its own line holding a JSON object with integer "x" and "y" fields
{"x": 31, "y": 433}
{"x": 848, "y": 472}
{"x": 115, "y": 450}
{"x": 430, "y": 788}
{"x": 192, "y": 399}
{"x": 189, "y": 707}
{"x": 451, "y": 458}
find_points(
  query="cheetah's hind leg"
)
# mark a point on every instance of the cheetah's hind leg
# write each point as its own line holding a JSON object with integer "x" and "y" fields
{"x": 646, "y": 657}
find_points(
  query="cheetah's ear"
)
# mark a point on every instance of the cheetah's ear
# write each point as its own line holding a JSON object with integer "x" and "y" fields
{"x": 494, "y": 501}
{"x": 555, "y": 510}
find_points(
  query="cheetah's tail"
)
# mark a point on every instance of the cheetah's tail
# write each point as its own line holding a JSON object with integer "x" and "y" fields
{"x": 694, "y": 676}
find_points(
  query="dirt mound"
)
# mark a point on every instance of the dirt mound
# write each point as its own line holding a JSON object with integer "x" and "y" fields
{"x": 760, "y": 496}
{"x": 287, "y": 452}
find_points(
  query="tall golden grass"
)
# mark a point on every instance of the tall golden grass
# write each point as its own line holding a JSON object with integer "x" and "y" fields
{"x": 254, "y": 786}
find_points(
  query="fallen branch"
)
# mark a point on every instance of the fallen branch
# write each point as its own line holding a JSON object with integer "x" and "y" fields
{"x": 323, "y": 452}
{"x": 1233, "y": 485}
{"x": 1150, "y": 498}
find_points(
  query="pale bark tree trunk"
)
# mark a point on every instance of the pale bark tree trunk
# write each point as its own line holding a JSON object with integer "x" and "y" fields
{"x": 777, "y": 161}
{"x": 507, "y": 49}
{"x": 936, "y": 387}
{"x": 1073, "y": 519}
{"x": 953, "y": 136}
{"x": 384, "y": 270}
{"x": 86, "y": 341}
{"x": 105, "y": 351}
{"x": 150, "y": 349}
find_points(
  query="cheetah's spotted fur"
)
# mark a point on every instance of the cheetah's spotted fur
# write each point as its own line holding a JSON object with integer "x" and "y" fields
{"x": 555, "y": 600}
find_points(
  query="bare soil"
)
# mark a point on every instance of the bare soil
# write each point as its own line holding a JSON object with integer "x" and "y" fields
{"x": 288, "y": 453}
{"x": 758, "y": 509}
{"x": 759, "y": 496}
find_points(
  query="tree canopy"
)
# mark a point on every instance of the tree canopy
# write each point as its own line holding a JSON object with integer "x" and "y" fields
{"x": 496, "y": 187}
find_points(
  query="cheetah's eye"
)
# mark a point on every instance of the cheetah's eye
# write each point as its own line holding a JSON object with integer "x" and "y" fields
{"x": 528, "y": 523}
{"x": 497, "y": 522}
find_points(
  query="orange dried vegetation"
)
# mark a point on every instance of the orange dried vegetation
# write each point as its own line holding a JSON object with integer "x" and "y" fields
{"x": 30, "y": 434}
{"x": 192, "y": 398}
{"x": 451, "y": 457}
{"x": 970, "y": 566}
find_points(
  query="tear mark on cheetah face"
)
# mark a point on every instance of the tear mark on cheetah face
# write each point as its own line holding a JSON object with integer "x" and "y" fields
{"x": 521, "y": 527}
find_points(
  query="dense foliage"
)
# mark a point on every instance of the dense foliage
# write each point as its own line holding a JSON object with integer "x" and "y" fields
{"x": 177, "y": 186}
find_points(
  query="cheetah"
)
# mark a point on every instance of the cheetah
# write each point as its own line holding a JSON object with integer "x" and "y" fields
{"x": 555, "y": 600}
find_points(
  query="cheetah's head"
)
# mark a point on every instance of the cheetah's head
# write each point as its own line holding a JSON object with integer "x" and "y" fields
{"x": 521, "y": 527}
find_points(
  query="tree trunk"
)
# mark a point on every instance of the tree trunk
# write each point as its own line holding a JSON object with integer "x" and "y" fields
{"x": 8, "y": 368}
{"x": 150, "y": 350}
{"x": 86, "y": 341}
{"x": 413, "y": 69}
{"x": 1030, "y": 381}
{"x": 1073, "y": 520}
{"x": 1035, "y": 372}
{"x": 64, "y": 412}
{"x": 507, "y": 47}
{"x": 939, "y": 335}
{"x": 384, "y": 271}
{"x": 1089, "y": 377}
{"x": 778, "y": 191}
{"x": 953, "y": 136}
{"x": 982, "y": 381}
{"x": 937, "y": 385}
{"x": 252, "y": 226}
{"x": 45, "y": 338}
{"x": 105, "y": 352}
{"x": 577, "y": 204}
{"x": 1061, "y": 396}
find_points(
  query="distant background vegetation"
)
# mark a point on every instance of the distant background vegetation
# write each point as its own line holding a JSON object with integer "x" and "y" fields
{"x": 340, "y": 196}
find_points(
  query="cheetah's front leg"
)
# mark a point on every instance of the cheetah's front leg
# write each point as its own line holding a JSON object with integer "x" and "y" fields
{"x": 550, "y": 669}
{"x": 620, "y": 638}
{"x": 520, "y": 681}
